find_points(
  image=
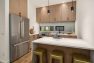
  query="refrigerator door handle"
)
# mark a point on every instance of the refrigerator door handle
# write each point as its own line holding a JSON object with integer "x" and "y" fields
{"x": 21, "y": 43}
{"x": 20, "y": 27}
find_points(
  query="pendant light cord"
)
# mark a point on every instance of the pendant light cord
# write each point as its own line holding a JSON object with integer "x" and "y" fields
{"x": 72, "y": 3}
{"x": 48, "y": 4}
{"x": 72, "y": 8}
{"x": 48, "y": 11}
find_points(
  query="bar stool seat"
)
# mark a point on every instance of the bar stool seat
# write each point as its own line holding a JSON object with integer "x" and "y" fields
{"x": 41, "y": 53}
{"x": 78, "y": 58}
{"x": 56, "y": 55}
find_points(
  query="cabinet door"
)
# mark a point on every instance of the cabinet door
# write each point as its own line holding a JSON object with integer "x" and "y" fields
{"x": 23, "y": 7}
{"x": 52, "y": 16}
{"x": 71, "y": 15}
{"x": 58, "y": 12}
{"x": 17, "y": 6}
{"x": 38, "y": 15}
{"x": 14, "y": 6}
{"x": 64, "y": 13}
{"x": 44, "y": 15}
{"x": 67, "y": 14}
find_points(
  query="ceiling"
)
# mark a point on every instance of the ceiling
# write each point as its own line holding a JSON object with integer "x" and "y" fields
{"x": 41, "y": 3}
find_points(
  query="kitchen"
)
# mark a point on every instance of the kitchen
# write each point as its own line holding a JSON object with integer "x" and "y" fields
{"x": 53, "y": 26}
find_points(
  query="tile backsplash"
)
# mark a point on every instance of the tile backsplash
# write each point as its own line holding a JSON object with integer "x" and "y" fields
{"x": 68, "y": 26}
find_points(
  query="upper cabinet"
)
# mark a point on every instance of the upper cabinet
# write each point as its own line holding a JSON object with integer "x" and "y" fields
{"x": 38, "y": 14}
{"x": 58, "y": 13}
{"x": 18, "y": 6}
{"x": 71, "y": 15}
{"x": 55, "y": 13}
{"x": 42, "y": 15}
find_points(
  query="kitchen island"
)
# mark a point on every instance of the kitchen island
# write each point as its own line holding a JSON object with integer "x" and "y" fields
{"x": 68, "y": 45}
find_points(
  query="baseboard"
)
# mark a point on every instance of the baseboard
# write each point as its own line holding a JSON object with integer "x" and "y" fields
{"x": 4, "y": 61}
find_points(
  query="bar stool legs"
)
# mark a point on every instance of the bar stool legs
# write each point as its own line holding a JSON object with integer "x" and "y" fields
{"x": 77, "y": 58}
{"x": 40, "y": 54}
{"x": 56, "y": 55}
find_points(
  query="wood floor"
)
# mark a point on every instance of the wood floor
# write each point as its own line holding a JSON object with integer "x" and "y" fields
{"x": 24, "y": 59}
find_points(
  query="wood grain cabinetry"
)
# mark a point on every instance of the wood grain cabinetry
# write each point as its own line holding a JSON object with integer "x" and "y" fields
{"x": 67, "y": 14}
{"x": 33, "y": 37}
{"x": 71, "y": 15}
{"x": 16, "y": 6}
{"x": 52, "y": 16}
{"x": 58, "y": 13}
{"x": 44, "y": 15}
{"x": 38, "y": 14}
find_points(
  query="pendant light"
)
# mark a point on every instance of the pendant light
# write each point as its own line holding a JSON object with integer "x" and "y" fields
{"x": 48, "y": 11}
{"x": 72, "y": 8}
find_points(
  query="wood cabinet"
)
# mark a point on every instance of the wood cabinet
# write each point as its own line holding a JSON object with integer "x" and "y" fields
{"x": 16, "y": 6}
{"x": 58, "y": 13}
{"x": 42, "y": 15}
{"x": 71, "y": 15}
{"x": 38, "y": 14}
{"x": 65, "y": 12}
{"x": 33, "y": 37}
{"x": 51, "y": 15}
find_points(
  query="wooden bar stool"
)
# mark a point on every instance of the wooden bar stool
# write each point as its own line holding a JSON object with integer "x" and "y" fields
{"x": 78, "y": 58}
{"x": 56, "y": 55}
{"x": 39, "y": 55}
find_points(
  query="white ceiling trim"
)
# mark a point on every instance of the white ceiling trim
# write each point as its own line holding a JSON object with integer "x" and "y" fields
{"x": 42, "y": 3}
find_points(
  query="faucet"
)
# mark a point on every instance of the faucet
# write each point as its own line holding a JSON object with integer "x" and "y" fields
{"x": 56, "y": 35}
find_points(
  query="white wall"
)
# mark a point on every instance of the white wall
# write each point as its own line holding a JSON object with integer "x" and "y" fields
{"x": 85, "y": 20}
{"x": 32, "y": 16}
{"x": 4, "y": 34}
{"x": 42, "y": 3}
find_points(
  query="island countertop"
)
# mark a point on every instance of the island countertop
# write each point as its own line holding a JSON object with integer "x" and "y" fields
{"x": 65, "y": 42}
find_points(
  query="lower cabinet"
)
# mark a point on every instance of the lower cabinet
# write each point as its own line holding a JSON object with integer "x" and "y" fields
{"x": 32, "y": 37}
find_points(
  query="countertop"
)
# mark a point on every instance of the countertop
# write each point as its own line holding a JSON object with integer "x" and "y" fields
{"x": 33, "y": 34}
{"x": 65, "y": 42}
{"x": 68, "y": 34}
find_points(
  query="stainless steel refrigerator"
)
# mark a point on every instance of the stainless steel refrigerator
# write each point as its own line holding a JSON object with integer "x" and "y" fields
{"x": 19, "y": 36}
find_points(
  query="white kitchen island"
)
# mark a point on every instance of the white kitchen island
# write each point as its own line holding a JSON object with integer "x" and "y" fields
{"x": 67, "y": 42}
{"x": 63, "y": 42}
